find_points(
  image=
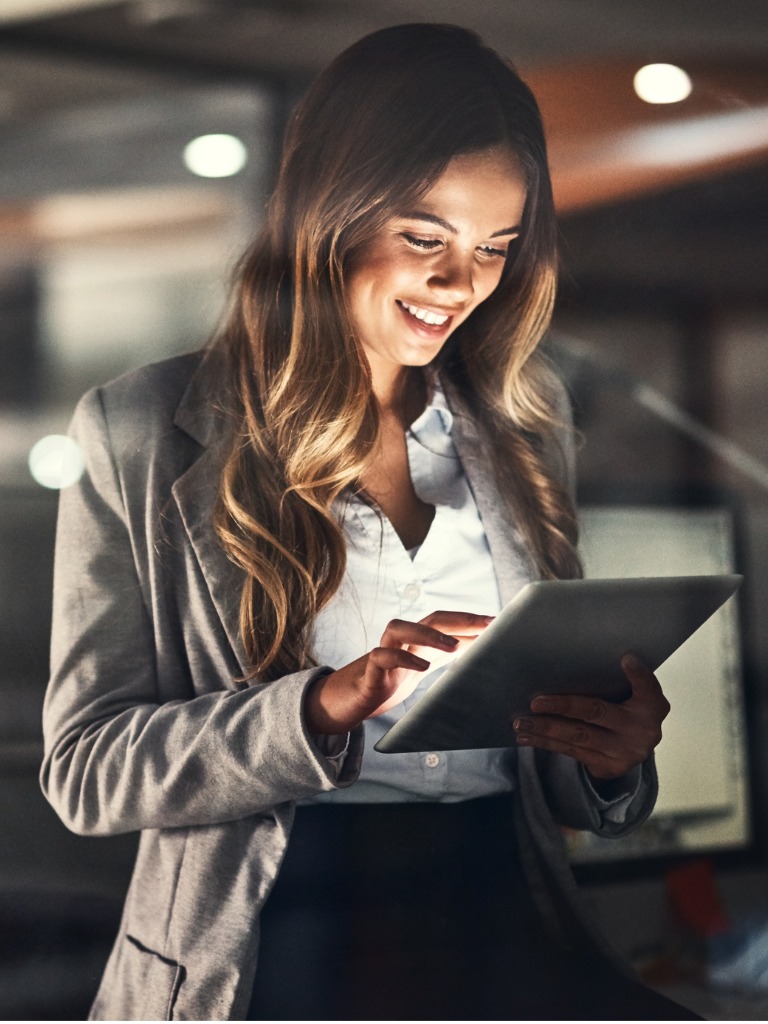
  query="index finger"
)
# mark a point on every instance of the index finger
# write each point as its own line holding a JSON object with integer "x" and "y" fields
{"x": 403, "y": 633}
{"x": 458, "y": 623}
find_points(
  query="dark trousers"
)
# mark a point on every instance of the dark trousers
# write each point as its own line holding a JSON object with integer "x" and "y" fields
{"x": 420, "y": 912}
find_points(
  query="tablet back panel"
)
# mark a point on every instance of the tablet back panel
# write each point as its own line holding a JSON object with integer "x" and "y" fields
{"x": 556, "y": 636}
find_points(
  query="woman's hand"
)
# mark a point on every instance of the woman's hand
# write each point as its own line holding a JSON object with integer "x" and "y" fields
{"x": 384, "y": 677}
{"x": 608, "y": 739}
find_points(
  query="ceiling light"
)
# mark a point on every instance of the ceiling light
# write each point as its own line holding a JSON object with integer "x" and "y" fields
{"x": 662, "y": 83}
{"x": 56, "y": 461}
{"x": 215, "y": 156}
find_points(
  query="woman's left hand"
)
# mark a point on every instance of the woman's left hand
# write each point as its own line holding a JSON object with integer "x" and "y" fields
{"x": 608, "y": 739}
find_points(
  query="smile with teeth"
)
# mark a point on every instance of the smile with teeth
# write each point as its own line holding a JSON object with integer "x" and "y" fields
{"x": 433, "y": 319}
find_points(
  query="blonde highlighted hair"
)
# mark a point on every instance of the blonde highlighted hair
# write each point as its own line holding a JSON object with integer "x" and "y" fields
{"x": 373, "y": 133}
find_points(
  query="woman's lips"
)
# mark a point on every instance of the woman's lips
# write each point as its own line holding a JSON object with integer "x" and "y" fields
{"x": 428, "y": 322}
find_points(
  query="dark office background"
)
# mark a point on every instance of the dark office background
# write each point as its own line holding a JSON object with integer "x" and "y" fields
{"x": 113, "y": 253}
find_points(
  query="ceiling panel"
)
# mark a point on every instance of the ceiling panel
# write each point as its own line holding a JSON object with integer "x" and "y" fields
{"x": 578, "y": 55}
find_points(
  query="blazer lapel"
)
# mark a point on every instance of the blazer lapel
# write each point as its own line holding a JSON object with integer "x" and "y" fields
{"x": 195, "y": 492}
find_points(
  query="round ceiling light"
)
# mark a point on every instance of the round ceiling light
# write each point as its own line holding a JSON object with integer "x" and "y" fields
{"x": 215, "y": 156}
{"x": 662, "y": 83}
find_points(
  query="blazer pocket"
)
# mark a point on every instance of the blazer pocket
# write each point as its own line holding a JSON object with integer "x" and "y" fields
{"x": 144, "y": 985}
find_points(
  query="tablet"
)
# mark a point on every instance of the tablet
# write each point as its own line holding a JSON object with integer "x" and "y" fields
{"x": 555, "y": 636}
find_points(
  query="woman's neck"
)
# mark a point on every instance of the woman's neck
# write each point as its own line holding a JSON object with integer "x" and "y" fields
{"x": 387, "y": 480}
{"x": 402, "y": 397}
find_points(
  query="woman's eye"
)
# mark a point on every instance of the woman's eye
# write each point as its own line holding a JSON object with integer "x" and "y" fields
{"x": 421, "y": 243}
{"x": 490, "y": 250}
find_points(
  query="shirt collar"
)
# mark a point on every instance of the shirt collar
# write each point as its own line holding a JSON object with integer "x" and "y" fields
{"x": 436, "y": 418}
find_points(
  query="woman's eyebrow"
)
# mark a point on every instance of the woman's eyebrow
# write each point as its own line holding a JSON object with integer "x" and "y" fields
{"x": 432, "y": 218}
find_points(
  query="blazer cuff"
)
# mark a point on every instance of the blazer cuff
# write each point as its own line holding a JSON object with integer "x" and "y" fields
{"x": 613, "y": 798}
{"x": 339, "y": 758}
{"x": 611, "y": 811}
{"x": 334, "y": 749}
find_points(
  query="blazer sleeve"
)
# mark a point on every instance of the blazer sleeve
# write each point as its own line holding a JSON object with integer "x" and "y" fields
{"x": 121, "y": 756}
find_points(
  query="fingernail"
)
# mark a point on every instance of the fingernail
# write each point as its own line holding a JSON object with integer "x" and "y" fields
{"x": 523, "y": 740}
{"x": 524, "y": 725}
{"x": 542, "y": 704}
{"x": 452, "y": 640}
{"x": 419, "y": 662}
{"x": 630, "y": 661}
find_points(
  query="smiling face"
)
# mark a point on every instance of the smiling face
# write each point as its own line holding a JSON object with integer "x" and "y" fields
{"x": 425, "y": 271}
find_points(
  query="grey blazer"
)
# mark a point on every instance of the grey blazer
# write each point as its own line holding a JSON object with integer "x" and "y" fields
{"x": 147, "y": 728}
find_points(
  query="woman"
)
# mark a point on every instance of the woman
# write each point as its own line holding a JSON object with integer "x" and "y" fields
{"x": 371, "y": 438}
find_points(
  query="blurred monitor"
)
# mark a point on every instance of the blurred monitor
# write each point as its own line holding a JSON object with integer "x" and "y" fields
{"x": 704, "y": 792}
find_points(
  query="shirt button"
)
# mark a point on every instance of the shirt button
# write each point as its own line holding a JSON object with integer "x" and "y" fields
{"x": 432, "y": 760}
{"x": 412, "y": 591}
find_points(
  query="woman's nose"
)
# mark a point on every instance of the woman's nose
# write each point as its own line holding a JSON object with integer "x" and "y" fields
{"x": 452, "y": 277}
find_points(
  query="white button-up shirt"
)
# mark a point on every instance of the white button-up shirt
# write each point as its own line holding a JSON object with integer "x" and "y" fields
{"x": 451, "y": 571}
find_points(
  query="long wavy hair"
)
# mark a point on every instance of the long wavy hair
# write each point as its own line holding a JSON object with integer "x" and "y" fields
{"x": 377, "y": 128}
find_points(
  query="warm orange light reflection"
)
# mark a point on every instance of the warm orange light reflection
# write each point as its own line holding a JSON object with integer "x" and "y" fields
{"x": 606, "y": 144}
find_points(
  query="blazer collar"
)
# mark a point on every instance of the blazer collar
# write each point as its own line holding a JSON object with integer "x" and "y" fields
{"x": 200, "y": 415}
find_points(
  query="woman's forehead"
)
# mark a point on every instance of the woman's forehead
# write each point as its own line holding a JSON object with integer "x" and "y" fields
{"x": 488, "y": 185}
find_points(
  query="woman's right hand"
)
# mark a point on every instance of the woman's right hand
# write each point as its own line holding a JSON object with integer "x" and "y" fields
{"x": 384, "y": 677}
